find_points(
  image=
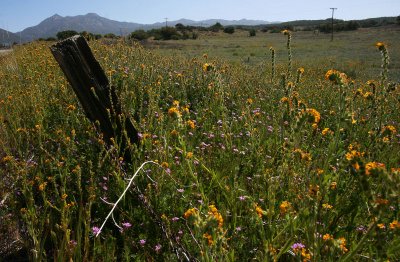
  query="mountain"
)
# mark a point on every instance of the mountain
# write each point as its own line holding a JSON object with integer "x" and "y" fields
{"x": 7, "y": 38}
{"x": 96, "y": 24}
{"x": 90, "y": 22}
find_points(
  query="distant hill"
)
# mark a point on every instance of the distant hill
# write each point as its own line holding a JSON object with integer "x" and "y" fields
{"x": 7, "y": 38}
{"x": 99, "y": 25}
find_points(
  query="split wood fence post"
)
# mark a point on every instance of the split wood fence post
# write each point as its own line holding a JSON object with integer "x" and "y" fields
{"x": 97, "y": 97}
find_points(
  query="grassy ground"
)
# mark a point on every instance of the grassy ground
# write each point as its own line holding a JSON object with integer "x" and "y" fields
{"x": 243, "y": 160}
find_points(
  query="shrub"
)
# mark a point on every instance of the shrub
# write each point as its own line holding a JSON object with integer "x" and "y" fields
{"x": 229, "y": 30}
{"x": 65, "y": 34}
{"x": 139, "y": 35}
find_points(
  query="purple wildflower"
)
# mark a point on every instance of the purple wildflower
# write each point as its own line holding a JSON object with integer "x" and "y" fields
{"x": 95, "y": 230}
{"x": 126, "y": 225}
{"x": 298, "y": 246}
{"x": 157, "y": 248}
{"x": 142, "y": 242}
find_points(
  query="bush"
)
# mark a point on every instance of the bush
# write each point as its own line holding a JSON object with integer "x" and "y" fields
{"x": 216, "y": 27}
{"x": 252, "y": 32}
{"x": 65, "y": 34}
{"x": 168, "y": 33}
{"x": 139, "y": 35}
{"x": 229, "y": 30}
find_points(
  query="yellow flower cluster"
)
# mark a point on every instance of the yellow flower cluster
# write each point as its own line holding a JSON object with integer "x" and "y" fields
{"x": 174, "y": 111}
{"x": 302, "y": 155}
{"x": 208, "y": 67}
{"x": 209, "y": 238}
{"x": 342, "y": 244}
{"x": 213, "y": 211}
{"x": 284, "y": 207}
{"x": 336, "y": 77}
{"x": 327, "y": 237}
{"x": 394, "y": 225}
{"x": 190, "y": 124}
{"x": 327, "y": 131}
{"x": 259, "y": 211}
{"x": 314, "y": 114}
{"x": 373, "y": 166}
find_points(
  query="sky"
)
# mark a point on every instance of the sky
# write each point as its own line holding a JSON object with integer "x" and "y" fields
{"x": 16, "y": 15}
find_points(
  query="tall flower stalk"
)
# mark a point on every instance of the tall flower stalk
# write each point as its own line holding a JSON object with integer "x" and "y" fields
{"x": 289, "y": 50}
{"x": 272, "y": 63}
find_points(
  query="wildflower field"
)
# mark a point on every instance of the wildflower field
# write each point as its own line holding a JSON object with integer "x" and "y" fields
{"x": 272, "y": 160}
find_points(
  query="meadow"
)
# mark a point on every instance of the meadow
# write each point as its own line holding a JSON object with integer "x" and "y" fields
{"x": 281, "y": 147}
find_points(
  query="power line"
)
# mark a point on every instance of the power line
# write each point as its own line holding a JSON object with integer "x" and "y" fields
{"x": 333, "y": 11}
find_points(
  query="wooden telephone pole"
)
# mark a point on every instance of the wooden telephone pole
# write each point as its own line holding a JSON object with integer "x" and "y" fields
{"x": 333, "y": 11}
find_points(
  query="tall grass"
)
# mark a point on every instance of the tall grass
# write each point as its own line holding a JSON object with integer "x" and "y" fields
{"x": 254, "y": 166}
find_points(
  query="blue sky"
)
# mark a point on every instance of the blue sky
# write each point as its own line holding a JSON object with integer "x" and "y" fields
{"x": 16, "y": 15}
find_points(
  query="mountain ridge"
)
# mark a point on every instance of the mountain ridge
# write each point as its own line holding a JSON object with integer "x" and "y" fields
{"x": 94, "y": 23}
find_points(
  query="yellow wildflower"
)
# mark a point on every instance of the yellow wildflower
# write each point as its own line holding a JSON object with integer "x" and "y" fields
{"x": 327, "y": 237}
{"x": 394, "y": 225}
{"x": 259, "y": 211}
{"x": 380, "y": 46}
{"x": 42, "y": 186}
{"x": 207, "y": 67}
{"x": 381, "y": 226}
{"x": 173, "y": 111}
{"x": 336, "y": 77}
{"x": 326, "y": 131}
{"x": 372, "y": 166}
{"x": 174, "y": 133}
{"x": 190, "y": 124}
{"x": 209, "y": 238}
{"x": 189, "y": 213}
{"x": 214, "y": 212}
{"x": 284, "y": 207}
{"x": 189, "y": 155}
{"x": 326, "y": 206}
{"x": 315, "y": 114}
{"x": 342, "y": 244}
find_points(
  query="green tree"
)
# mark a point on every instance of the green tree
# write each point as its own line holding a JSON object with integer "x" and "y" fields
{"x": 65, "y": 34}
{"x": 252, "y": 32}
{"x": 398, "y": 20}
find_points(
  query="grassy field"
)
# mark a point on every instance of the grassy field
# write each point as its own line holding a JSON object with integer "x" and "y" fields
{"x": 351, "y": 52}
{"x": 242, "y": 155}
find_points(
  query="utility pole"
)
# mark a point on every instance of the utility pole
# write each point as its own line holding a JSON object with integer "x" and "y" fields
{"x": 333, "y": 11}
{"x": 166, "y": 22}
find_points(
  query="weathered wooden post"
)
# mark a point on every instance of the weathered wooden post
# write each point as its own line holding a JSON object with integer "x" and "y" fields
{"x": 94, "y": 92}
